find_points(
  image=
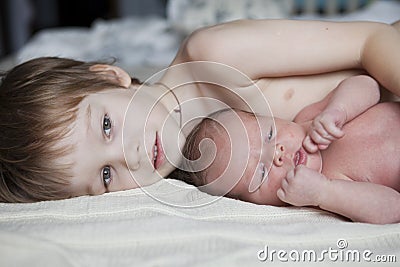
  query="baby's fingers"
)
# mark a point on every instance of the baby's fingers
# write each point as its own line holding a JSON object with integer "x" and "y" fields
{"x": 322, "y": 147}
{"x": 281, "y": 195}
{"x": 320, "y": 139}
{"x": 333, "y": 131}
{"x": 309, "y": 145}
{"x": 285, "y": 184}
{"x": 321, "y": 128}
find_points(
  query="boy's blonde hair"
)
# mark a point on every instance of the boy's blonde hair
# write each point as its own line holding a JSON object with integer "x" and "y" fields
{"x": 38, "y": 105}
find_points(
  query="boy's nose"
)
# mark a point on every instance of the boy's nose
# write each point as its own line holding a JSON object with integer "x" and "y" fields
{"x": 279, "y": 154}
{"x": 131, "y": 155}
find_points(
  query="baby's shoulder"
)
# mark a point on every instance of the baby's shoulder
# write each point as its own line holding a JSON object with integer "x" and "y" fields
{"x": 380, "y": 117}
{"x": 373, "y": 135}
{"x": 391, "y": 109}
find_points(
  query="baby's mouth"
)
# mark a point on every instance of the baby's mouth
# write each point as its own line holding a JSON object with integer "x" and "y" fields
{"x": 300, "y": 158}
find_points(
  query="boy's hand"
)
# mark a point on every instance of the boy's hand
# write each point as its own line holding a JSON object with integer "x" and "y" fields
{"x": 302, "y": 187}
{"x": 324, "y": 129}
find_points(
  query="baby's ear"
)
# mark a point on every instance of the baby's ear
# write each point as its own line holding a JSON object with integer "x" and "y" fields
{"x": 113, "y": 72}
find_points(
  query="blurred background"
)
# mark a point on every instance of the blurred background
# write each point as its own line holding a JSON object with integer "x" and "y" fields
{"x": 20, "y": 19}
{"x": 148, "y": 32}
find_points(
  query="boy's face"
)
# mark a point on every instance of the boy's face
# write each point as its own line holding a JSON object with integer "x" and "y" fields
{"x": 121, "y": 139}
{"x": 260, "y": 160}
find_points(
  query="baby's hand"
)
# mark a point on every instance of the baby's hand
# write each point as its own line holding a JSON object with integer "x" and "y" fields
{"x": 302, "y": 187}
{"x": 324, "y": 129}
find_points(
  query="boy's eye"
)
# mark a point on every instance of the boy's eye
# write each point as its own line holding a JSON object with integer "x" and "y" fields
{"x": 107, "y": 125}
{"x": 106, "y": 175}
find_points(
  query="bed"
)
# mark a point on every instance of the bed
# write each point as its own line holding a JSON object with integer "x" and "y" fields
{"x": 170, "y": 223}
{"x": 132, "y": 228}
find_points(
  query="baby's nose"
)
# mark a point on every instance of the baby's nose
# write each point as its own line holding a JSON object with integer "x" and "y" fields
{"x": 279, "y": 154}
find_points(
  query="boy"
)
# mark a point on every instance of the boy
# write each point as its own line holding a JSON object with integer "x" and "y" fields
{"x": 340, "y": 154}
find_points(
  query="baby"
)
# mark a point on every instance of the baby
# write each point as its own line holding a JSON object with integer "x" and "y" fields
{"x": 340, "y": 154}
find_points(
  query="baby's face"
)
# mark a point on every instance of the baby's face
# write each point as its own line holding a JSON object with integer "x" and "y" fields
{"x": 251, "y": 161}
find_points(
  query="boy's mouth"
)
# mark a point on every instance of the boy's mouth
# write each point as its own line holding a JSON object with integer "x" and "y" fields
{"x": 300, "y": 157}
{"x": 158, "y": 153}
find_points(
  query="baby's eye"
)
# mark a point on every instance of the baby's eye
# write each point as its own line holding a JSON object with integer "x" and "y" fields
{"x": 261, "y": 171}
{"x": 106, "y": 175}
{"x": 107, "y": 125}
{"x": 270, "y": 134}
{"x": 258, "y": 178}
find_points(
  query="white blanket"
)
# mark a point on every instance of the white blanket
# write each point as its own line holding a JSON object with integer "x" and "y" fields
{"x": 133, "y": 228}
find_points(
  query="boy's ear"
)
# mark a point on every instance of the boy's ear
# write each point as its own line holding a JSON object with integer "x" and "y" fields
{"x": 113, "y": 72}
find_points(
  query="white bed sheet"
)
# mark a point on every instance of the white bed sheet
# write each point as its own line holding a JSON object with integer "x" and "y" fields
{"x": 130, "y": 228}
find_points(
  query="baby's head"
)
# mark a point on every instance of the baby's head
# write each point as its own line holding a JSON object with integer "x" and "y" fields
{"x": 38, "y": 103}
{"x": 253, "y": 154}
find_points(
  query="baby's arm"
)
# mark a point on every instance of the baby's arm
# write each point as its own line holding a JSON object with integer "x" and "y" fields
{"x": 359, "y": 201}
{"x": 352, "y": 97}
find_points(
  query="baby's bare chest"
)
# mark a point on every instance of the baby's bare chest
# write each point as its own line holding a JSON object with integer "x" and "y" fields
{"x": 370, "y": 149}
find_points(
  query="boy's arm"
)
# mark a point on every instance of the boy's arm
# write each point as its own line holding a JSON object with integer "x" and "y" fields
{"x": 359, "y": 201}
{"x": 380, "y": 56}
{"x": 279, "y": 48}
{"x": 352, "y": 97}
